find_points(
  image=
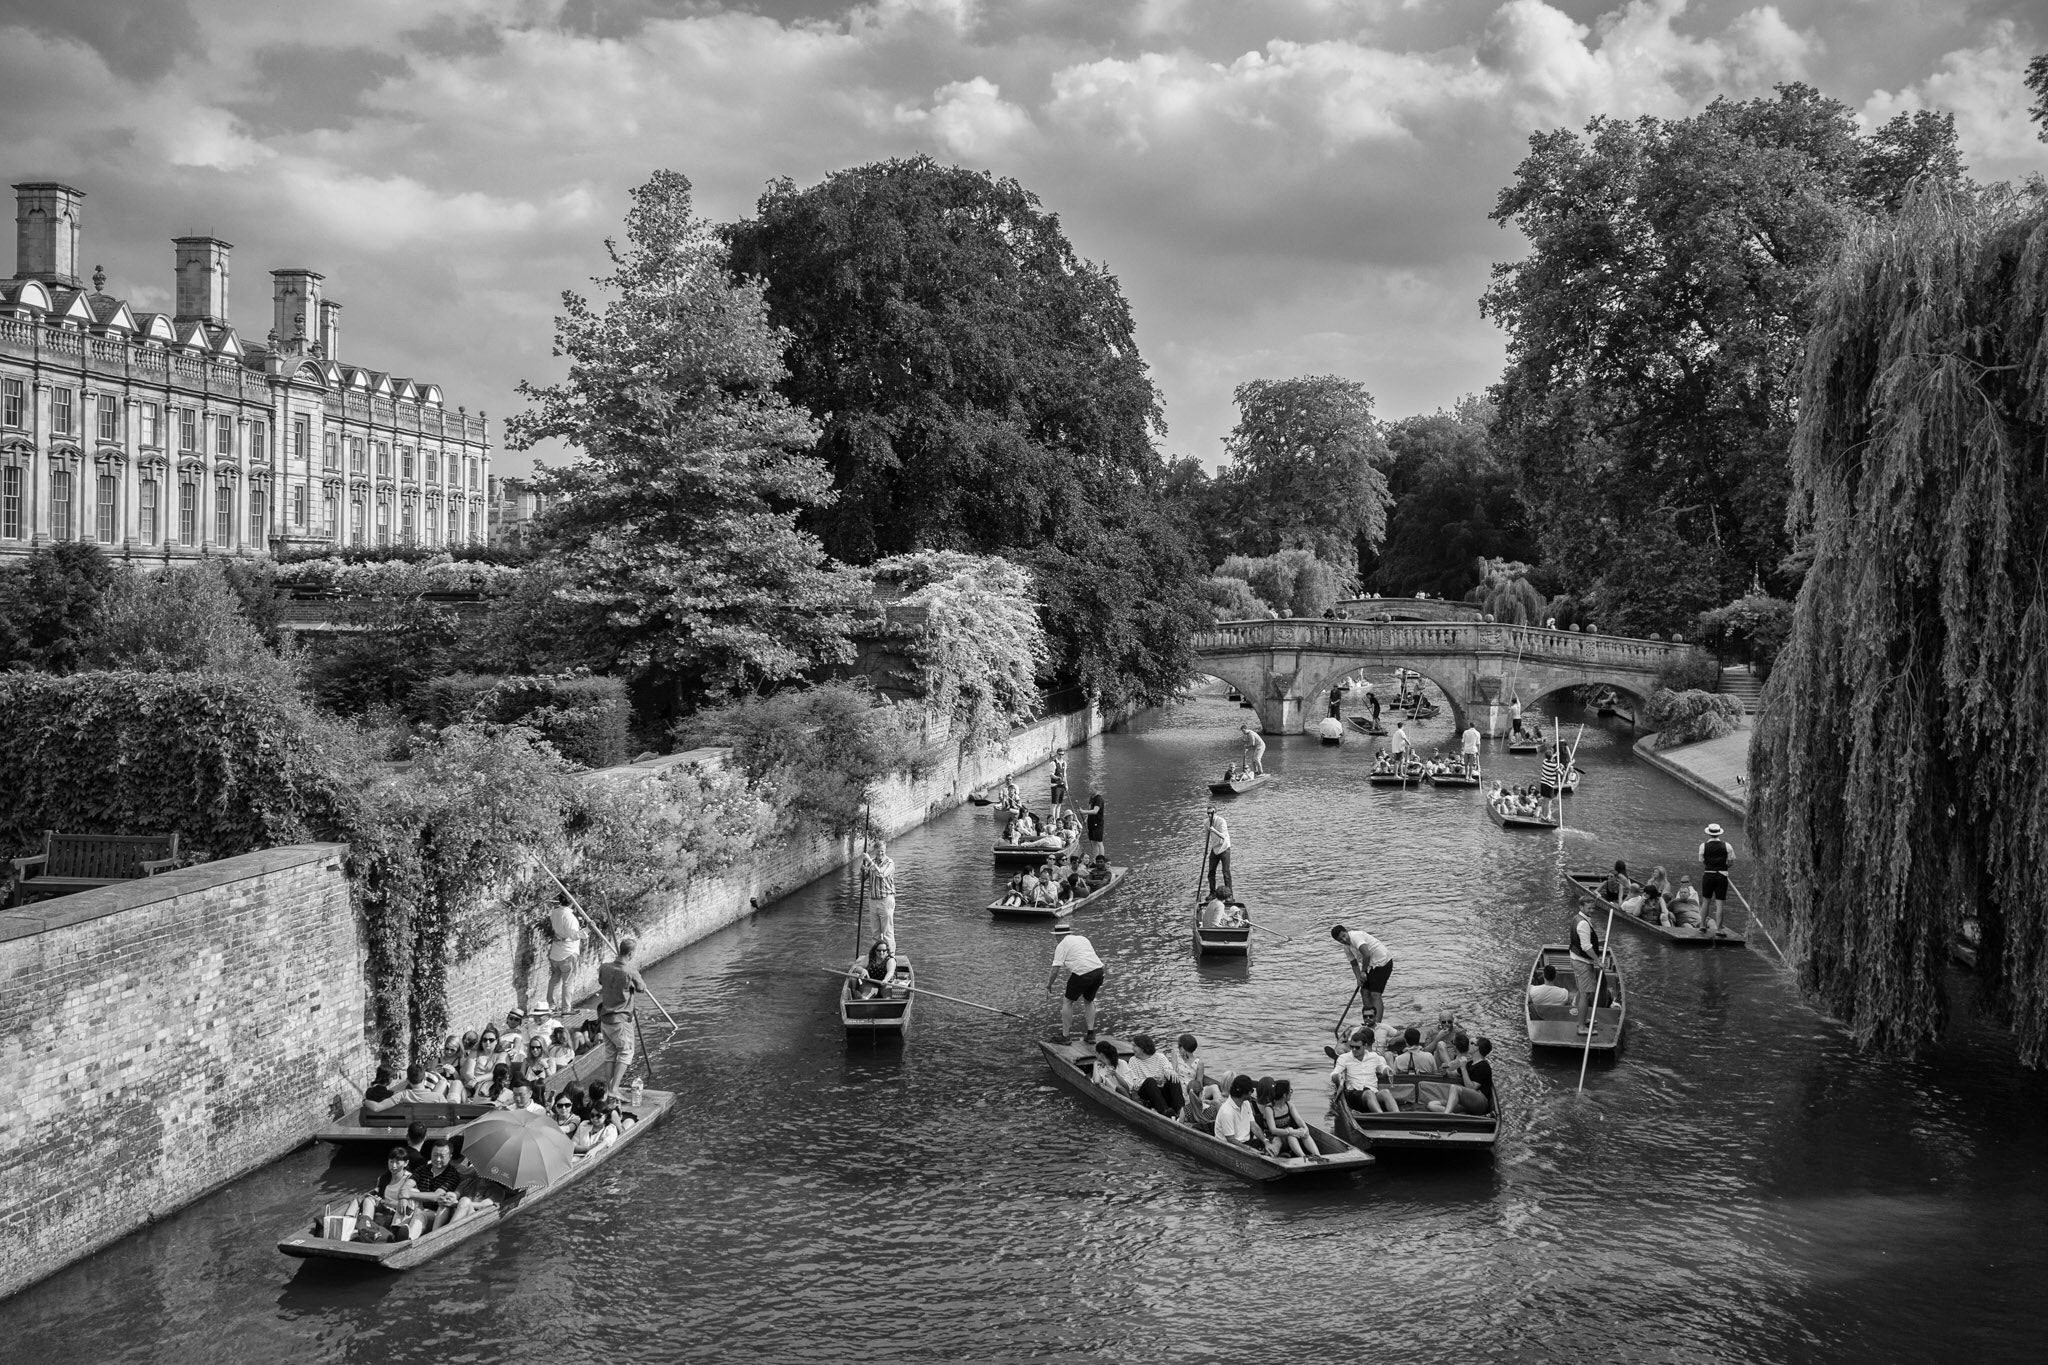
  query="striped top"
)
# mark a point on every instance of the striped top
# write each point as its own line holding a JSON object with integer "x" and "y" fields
{"x": 1553, "y": 771}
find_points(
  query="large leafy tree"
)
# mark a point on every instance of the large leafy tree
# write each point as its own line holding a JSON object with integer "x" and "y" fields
{"x": 977, "y": 387}
{"x": 1656, "y": 327}
{"x": 678, "y": 533}
{"x": 1305, "y": 464}
{"x": 1454, "y": 504}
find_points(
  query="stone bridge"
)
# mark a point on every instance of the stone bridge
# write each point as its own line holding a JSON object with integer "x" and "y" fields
{"x": 1285, "y": 668}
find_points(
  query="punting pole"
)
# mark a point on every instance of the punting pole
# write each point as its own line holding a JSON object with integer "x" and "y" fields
{"x": 1356, "y": 988}
{"x": 602, "y": 937}
{"x": 1593, "y": 1009}
{"x": 920, "y": 990}
{"x": 1750, "y": 911}
{"x": 867, "y": 832}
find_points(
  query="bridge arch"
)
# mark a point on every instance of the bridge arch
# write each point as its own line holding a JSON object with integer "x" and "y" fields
{"x": 1316, "y": 690}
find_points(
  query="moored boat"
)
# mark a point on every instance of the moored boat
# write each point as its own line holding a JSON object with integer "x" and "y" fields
{"x": 1002, "y": 911}
{"x": 1586, "y": 885}
{"x": 1507, "y": 819}
{"x": 881, "y": 1017}
{"x": 1232, "y": 786}
{"x": 1073, "y": 1065}
{"x": 651, "y": 1106}
{"x": 1222, "y": 940}
{"x": 1557, "y": 1025}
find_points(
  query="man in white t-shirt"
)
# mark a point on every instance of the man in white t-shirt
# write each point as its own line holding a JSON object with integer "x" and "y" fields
{"x": 1372, "y": 962}
{"x": 1547, "y": 991}
{"x": 564, "y": 954}
{"x": 1469, "y": 748}
{"x": 1236, "y": 1123}
{"x": 1219, "y": 849}
{"x": 882, "y": 868}
{"x": 1357, "y": 1075}
{"x": 1076, "y": 957}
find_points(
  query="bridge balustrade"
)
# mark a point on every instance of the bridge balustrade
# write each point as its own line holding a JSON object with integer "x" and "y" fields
{"x": 1479, "y": 637}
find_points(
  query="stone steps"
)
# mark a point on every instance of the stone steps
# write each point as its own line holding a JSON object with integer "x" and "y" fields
{"x": 1744, "y": 686}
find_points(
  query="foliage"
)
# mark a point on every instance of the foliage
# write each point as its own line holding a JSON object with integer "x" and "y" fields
{"x": 1506, "y": 594}
{"x": 397, "y": 577}
{"x": 254, "y": 584}
{"x": 978, "y": 387}
{"x": 638, "y": 836}
{"x": 1655, "y": 332}
{"x": 1454, "y": 504}
{"x": 813, "y": 753}
{"x": 2037, "y": 81}
{"x": 509, "y": 555}
{"x": 227, "y": 764}
{"x": 49, "y": 604}
{"x": 185, "y": 618}
{"x": 533, "y": 625}
{"x": 583, "y": 717}
{"x": 1232, "y": 599}
{"x": 1898, "y": 785}
{"x": 1695, "y": 671}
{"x": 977, "y": 644}
{"x": 1305, "y": 461}
{"x": 1291, "y": 582}
{"x": 1689, "y": 717}
{"x": 1755, "y": 625}
{"x": 679, "y": 524}
{"x": 391, "y": 646}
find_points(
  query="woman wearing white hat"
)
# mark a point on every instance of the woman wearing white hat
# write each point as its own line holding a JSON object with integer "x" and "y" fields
{"x": 1715, "y": 860}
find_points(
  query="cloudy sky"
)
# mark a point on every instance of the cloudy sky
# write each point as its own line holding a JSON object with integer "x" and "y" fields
{"x": 1288, "y": 187}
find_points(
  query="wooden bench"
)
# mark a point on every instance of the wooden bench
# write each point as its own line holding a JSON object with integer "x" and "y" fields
{"x": 80, "y": 862}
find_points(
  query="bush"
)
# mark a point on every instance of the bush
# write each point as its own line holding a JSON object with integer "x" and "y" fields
{"x": 186, "y": 618}
{"x": 395, "y": 576}
{"x": 227, "y": 764}
{"x": 814, "y": 752}
{"x": 1755, "y": 626}
{"x": 979, "y": 649}
{"x": 398, "y": 644}
{"x": 1696, "y": 671}
{"x": 1691, "y": 716}
{"x": 49, "y": 604}
{"x": 583, "y": 717}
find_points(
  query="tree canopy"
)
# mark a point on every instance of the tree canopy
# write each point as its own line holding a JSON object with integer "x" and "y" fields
{"x": 977, "y": 386}
{"x": 1305, "y": 469}
{"x": 1454, "y": 504}
{"x": 1899, "y": 785}
{"x": 678, "y": 532}
{"x": 1656, "y": 329}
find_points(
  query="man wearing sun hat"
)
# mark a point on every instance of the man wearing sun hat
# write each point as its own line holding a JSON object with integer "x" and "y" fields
{"x": 1715, "y": 860}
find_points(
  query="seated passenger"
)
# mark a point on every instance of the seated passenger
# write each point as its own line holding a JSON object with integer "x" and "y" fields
{"x": 1652, "y": 906}
{"x": 1274, "y": 1101}
{"x": 474, "y": 1065}
{"x": 1617, "y": 887}
{"x": 591, "y": 1035}
{"x": 1685, "y": 903}
{"x": 452, "y": 1088}
{"x": 1158, "y": 1088}
{"x": 1235, "y": 1123}
{"x": 1103, "y": 1073}
{"x": 1099, "y": 873}
{"x": 1215, "y": 913}
{"x": 1545, "y": 992}
{"x": 391, "y": 1204}
{"x": 534, "y": 1069}
{"x": 381, "y": 1094}
{"x": 417, "y": 1090}
{"x": 476, "y": 1191}
{"x": 434, "y": 1189}
{"x": 560, "y": 1051}
{"x": 1189, "y": 1072}
{"x": 498, "y": 1090}
{"x": 522, "y": 1099}
{"x": 1357, "y": 1076}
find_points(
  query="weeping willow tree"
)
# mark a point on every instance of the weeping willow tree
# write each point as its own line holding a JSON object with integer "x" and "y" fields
{"x": 1900, "y": 775}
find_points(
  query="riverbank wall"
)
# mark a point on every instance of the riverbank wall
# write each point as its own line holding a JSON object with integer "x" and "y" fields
{"x": 1715, "y": 768}
{"x": 160, "y": 1038}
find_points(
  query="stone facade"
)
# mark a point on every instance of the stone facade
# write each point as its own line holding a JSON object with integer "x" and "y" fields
{"x": 515, "y": 503}
{"x": 161, "y": 1037}
{"x": 166, "y": 437}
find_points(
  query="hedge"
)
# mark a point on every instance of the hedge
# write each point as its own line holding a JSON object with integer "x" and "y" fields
{"x": 583, "y": 717}
{"x": 1691, "y": 716}
{"x": 226, "y": 765}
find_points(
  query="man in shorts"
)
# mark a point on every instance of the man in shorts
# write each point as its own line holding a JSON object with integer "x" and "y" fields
{"x": 1077, "y": 957}
{"x": 883, "y": 869}
{"x": 565, "y": 954}
{"x": 1372, "y": 962}
{"x": 1095, "y": 823}
{"x": 618, "y": 981}
{"x": 1715, "y": 860}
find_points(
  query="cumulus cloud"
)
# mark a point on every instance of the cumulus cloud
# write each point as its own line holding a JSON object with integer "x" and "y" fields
{"x": 1290, "y": 187}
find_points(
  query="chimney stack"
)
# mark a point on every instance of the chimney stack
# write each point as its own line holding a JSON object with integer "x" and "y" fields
{"x": 295, "y": 298}
{"x": 202, "y": 280}
{"x": 330, "y": 329}
{"x": 46, "y": 233}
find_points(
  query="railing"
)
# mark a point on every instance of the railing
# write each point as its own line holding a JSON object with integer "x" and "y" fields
{"x": 1412, "y": 637}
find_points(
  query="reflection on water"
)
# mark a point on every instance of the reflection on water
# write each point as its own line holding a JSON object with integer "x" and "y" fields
{"x": 1740, "y": 1184}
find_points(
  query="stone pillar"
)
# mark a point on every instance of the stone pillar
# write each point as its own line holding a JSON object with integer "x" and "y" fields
{"x": 1279, "y": 715}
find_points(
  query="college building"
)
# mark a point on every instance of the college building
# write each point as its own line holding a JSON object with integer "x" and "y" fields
{"x": 162, "y": 438}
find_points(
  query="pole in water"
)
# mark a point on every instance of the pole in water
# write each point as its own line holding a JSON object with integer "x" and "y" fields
{"x": 1355, "y": 990}
{"x": 1593, "y": 1009}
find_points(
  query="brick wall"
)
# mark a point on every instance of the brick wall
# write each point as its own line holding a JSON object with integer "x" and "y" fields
{"x": 491, "y": 981}
{"x": 161, "y": 1037}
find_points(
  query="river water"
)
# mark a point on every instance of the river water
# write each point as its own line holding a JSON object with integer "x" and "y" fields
{"x": 1740, "y": 1185}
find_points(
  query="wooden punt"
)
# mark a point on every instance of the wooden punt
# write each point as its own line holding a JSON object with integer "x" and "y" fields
{"x": 1586, "y": 886}
{"x": 1331, "y": 741}
{"x": 1366, "y": 725}
{"x": 1235, "y": 785}
{"x": 1527, "y": 744}
{"x": 1506, "y": 820}
{"x": 1002, "y": 911}
{"x": 1220, "y": 942}
{"x": 1472, "y": 779}
{"x": 1403, "y": 778}
{"x": 384, "y": 1127}
{"x": 652, "y": 1107}
{"x": 1027, "y": 853}
{"x": 1417, "y": 1129}
{"x": 1555, "y": 1026}
{"x": 1073, "y": 1063}
{"x": 882, "y": 1017}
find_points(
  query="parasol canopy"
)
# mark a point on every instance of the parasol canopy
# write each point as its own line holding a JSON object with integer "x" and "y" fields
{"x": 518, "y": 1149}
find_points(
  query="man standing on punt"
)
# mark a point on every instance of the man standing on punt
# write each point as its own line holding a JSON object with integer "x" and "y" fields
{"x": 618, "y": 982}
{"x": 1077, "y": 957}
{"x": 1715, "y": 860}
